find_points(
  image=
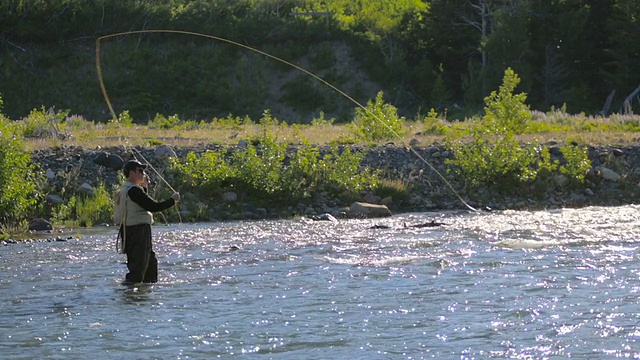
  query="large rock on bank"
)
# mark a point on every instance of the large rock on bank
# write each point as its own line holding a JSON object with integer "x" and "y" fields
{"x": 367, "y": 210}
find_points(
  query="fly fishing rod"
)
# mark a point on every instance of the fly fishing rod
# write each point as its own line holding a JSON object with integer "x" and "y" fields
{"x": 249, "y": 48}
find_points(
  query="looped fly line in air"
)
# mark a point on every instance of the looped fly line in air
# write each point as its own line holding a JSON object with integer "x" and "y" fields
{"x": 191, "y": 33}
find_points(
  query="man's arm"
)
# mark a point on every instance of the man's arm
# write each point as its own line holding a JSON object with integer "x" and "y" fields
{"x": 141, "y": 198}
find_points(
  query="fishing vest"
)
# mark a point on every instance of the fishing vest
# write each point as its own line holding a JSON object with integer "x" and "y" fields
{"x": 128, "y": 212}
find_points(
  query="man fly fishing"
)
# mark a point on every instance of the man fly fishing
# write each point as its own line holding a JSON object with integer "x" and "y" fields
{"x": 133, "y": 212}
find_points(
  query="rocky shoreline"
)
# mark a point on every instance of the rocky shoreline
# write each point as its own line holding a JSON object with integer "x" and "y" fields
{"x": 613, "y": 180}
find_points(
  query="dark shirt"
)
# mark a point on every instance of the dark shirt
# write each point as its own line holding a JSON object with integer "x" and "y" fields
{"x": 146, "y": 202}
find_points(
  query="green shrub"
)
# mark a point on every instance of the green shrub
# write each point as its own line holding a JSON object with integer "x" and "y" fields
{"x": 162, "y": 122}
{"x": 492, "y": 157}
{"x": 267, "y": 120}
{"x": 304, "y": 172}
{"x": 577, "y": 163}
{"x": 337, "y": 170}
{"x": 208, "y": 173}
{"x": 18, "y": 178}
{"x": 345, "y": 171}
{"x": 433, "y": 124}
{"x": 43, "y": 123}
{"x": 124, "y": 118}
{"x": 60, "y": 213}
{"x": 500, "y": 163}
{"x": 506, "y": 111}
{"x": 320, "y": 120}
{"x": 93, "y": 209}
{"x": 301, "y": 94}
{"x": 260, "y": 172}
{"x": 379, "y": 121}
{"x": 263, "y": 173}
{"x": 323, "y": 58}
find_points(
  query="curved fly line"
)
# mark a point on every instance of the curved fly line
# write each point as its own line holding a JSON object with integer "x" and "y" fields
{"x": 249, "y": 48}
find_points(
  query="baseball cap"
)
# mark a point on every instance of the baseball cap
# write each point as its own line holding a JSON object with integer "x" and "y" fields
{"x": 133, "y": 165}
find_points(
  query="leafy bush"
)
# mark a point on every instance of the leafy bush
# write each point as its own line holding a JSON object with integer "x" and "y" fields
{"x": 320, "y": 120}
{"x": 83, "y": 209}
{"x": 493, "y": 157}
{"x": 96, "y": 208}
{"x": 500, "y": 163}
{"x": 577, "y": 163}
{"x": 125, "y": 119}
{"x": 379, "y": 121}
{"x": 269, "y": 174}
{"x": 60, "y": 213}
{"x": 506, "y": 111}
{"x": 345, "y": 172}
{"x": 323, "y": 58}
{"x": 43, "y": 123}
{"x": 301, "y": 94}
{"x": 162, "y": 122}
{"x": 18, "y": 178}
{"x": 433, "y": 124}
{"x": 337, "y": 170}
{"x": 259, "y": 172}
{"x": 207, "y": 173}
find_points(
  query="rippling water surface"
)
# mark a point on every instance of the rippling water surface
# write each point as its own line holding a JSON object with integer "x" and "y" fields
{"x": 560, "y": 283}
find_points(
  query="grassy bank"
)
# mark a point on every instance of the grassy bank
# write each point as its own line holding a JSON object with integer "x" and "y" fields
{"x": 74, "y": 130}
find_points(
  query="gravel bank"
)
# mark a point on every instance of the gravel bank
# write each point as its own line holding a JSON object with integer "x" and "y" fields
{"x": 613, "y": 180}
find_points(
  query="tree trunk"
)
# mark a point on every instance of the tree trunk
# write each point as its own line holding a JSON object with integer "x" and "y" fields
{"x": 628, "y": 102}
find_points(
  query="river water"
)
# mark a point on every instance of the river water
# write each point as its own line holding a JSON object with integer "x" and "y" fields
{"x": 545, "y": 284}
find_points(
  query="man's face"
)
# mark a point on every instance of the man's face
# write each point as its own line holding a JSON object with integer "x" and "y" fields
{"x": 136, "y": 176}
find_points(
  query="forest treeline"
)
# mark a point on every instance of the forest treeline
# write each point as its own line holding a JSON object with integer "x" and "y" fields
{"x": 446, "y": 55}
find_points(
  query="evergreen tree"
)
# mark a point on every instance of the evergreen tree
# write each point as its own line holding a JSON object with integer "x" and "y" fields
{"x": 624, "y": 27}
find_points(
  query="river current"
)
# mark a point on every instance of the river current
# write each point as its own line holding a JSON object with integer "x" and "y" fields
{"x": 512, "y": 284}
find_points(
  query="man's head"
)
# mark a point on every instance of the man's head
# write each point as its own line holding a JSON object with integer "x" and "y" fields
{"x": 134, "y": 171}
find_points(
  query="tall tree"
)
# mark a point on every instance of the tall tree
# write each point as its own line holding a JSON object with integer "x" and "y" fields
{"x": 507, "y": 45}
{"x": 624, "y": 50}
{"x": 556, "y": 37}
{"x": 440, "y": 47}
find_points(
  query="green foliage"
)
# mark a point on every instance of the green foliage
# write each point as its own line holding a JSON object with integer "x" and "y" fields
{"x": 345, "y": 170}
{"x": 162, "y": 122}
{"x": 433, "y": 124}
{"x": 18, "y": 178}
{"x": 96, "y": 208}
{"x": 500, "y": 164}
{"x": 576, "y": 164}
{"x": 301, "y": 94}
{"x": 84, "y": 210}
{"x": 260, "y": 168}
{"x": 395, "y": 189}
{"x": 338, "y": 170}
{"x": 43, "y": 123}
{"x": 125, "y": 119}
{"x": 323, "y": 58}
{"x": 60, "y": 213}
{"x": 378, "y": 120}
{"x": 269, "y": 174}
{"x": 492, "y": 157}
{"x": 506, "y": 111}
{"x": 320, "y": 120}
{"x": 208, "y": 173}
{"x": 232, "y": 122}
{"x": 415, "y": 50}
{"x": 267, "y": 119}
